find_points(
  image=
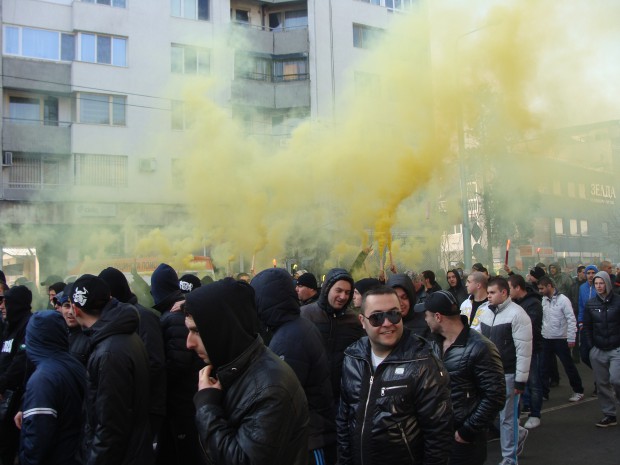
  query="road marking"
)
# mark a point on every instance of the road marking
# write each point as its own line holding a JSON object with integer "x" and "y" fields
{"x": 563, "y": 406}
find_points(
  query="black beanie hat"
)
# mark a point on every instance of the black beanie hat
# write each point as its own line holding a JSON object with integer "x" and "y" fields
{"x": 119, "y": 286}
{"x": 17, "y": 301}
{"x": 189, "y": 282}
{"x": 537, "y": 272}
{"x": 90, "y": 292}
{"x": 308, "y": 280}
{"x": 366, "y": 284}
{"x": 442, "y": 302}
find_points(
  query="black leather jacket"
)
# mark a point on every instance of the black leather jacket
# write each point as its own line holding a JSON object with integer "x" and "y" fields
{"x": 260, "y": 416}
{"x": 399, "y": 414}
{"x": 478, "y": 386}
{"x": 601, "y": 321}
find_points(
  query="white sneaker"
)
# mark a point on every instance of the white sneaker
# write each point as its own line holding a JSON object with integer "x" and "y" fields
{"x": 576, "y": 397}
{"x": 532, "y": 422}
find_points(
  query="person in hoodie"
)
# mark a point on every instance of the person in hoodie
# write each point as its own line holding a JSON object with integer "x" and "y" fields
{"x": 456, "y": 287}
{"x": 337, "y": 323}
{"x": 298, "y": 342}
{"x": 360, "y": 288}
{"x": 79, "y": 344}
{"x": 150, "y": 333}
{"x": 601, "y": 326}
{"x": 413, "y": 315}
{"x": 51, "y": 418}
{"x": 250, "y": 406}
{"x": 531, "y": 301}
{"x": 177, "y": 443}
{"x": 14, "y": 368}
{"x": 586, "y": 292}
{"x": 117, "y": 429}
{"x": 562, "y": 281}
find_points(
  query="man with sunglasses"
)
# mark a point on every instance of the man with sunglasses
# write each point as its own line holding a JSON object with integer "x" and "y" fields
{"x": 395, "y": 398}
{"x": 476, "y": 376}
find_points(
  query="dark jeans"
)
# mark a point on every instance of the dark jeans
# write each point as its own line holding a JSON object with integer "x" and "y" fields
{"x": 533, "y": 396}
{"x": 559, "y": 347}
{"x": 584, "y": 348}
{"x": 473, "y": 453}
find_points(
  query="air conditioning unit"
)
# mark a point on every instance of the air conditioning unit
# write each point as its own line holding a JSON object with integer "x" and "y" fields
{"x": 7, "y": 158}
{"x": 148, "y": 165}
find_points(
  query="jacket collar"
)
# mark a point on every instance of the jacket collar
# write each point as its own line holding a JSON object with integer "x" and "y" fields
{"x": 229, "y": 373}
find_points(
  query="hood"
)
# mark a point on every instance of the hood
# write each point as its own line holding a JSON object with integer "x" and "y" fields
{"x": 459, "y": 281}
{"x": 403, "y": 281}
{"x": 18, "y": 300}
{"x": 46, "y": 336}
{"x": 333, "y": 276}
{"x": 532, "y": 293}
{"x": 116, "y": 318}
{"x": 119, "y": 286}
{"x": 275, "y": 297}
{"x": 608, "y": 287}
{"x": 226, "y": 319}
{"x": 557, "y": 267}
{"x": 591, "y": 267}
{"x": 165, "y": 287}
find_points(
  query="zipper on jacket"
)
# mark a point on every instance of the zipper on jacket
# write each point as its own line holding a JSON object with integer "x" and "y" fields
{"x": 383, "y": 389}
{"x": 372, "y": 378}
{"x": 402, "y": 434}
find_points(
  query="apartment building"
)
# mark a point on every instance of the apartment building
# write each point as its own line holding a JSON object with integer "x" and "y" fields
{"x": 89, "y": 88}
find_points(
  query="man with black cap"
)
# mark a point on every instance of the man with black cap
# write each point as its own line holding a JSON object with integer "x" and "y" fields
{"x": 360, "y": 288}
{"x": 307, "y": 289}
{"x": 395, "y": 405}
{"x": 250, "y": 406}
{"x": 337, "y": 323}
{"x": 188, "y": 282}
{"x": 79, "y": 344}
{"x": 178, "y": 439}
{"x": 478, "y": 388}
{"x": 150, "y": 332}
{"x": 14, "y": 367}
{"x": 117, "y": 427}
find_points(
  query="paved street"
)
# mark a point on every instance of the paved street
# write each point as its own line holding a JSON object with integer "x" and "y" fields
{"x": 567, "y": 435}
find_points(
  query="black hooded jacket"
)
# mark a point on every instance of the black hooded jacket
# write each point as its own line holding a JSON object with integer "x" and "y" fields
{"x": 298, "y": 342}
{"x": 182, "y": 364}
{"x": 149, "y": 331}
{"x": 260, "y": 416}
{"x": 117, "y": 410}
{"x": 414, "y": 320}
{"x": 339, "y": 328}
{"x": 459, "y": 291}
{"x": 13, "y": 361}
{"x": 532, "y": 304}
{"x": 601, "y": 319}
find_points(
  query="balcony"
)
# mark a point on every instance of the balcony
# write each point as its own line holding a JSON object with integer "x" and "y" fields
{"x": 286, "y": 94}
{"x": 36, "y": 138}
{"x": 281, "y": 42}
{"x": 36, "y": 75}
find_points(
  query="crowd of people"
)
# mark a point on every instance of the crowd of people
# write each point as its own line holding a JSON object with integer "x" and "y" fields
{"x": 277, "y": 369}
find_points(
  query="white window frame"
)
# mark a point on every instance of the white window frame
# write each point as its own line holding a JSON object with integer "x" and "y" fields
{"x": 20, "y": 45}
{"x": 101, "y": 170}
{"x": 559, "y": 226}
{"x": 365, "y": 35}
{"x": 82, "y": 96}
{"x": 30, "y": 165}
{"x": 181, "y": 9}
{"x": 80, "y": 51}
{"x": 198, "y": 51}
{"x": 112, "y": 3}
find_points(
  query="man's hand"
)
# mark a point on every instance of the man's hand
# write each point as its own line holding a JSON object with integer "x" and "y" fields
{"x": 18, "y": 419}
{"x": 206, "y": 381}
{"x": 507, "y": 269}
{"x": 177, "y": 306}
{"x": 519, "y": 391}
{"x": 458, "y": 438}
{"x": 571, "y": 345}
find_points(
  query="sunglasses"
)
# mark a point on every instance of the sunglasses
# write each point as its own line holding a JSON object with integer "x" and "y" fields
{"x": 377, "y": 319}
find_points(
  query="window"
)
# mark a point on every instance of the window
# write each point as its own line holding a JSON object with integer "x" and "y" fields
{"x": 573, "y": 227}
{"x": 102, "y": 109}
{"x": 252, "y": 67}
{"x": 100, "y": 170}
{"x": 582, "y": 191}
{"x": 282, "y": 20}
{"x": 190, "y": 60}
{"x": 116, "y": 3}
{"x": 103, "y": 49}
{"x": 39, "y": 43}
{"x": 605, "y": 228}
{"x": 33, "y": 171}
{"x": 27, "y": 110}
{"x": 399, "y": 5}
{"x": 190, "y": 9}
{"x": 290, "y": 70}
{"x": 571, "y": 190}
{"x": 181, "y": 118}
{"x": 559, "y": 226}
{"x": 242, "y": 17}
{"x": 583, "y": 224}
{"x": 557, "y": 188}
{"x": 365, "y": 36}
